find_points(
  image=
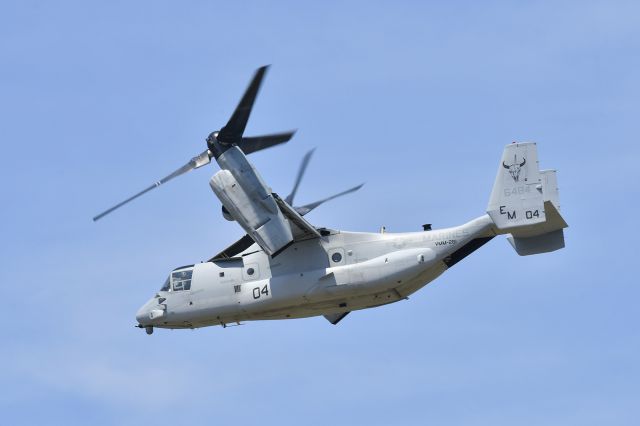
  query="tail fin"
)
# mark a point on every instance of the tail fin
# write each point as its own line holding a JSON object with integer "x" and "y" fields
{"x": 525, "y": 202}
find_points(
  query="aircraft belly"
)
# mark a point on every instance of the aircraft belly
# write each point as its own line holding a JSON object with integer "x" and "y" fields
{"x": 329, "y": 307}
{"x": 410, "y": 287}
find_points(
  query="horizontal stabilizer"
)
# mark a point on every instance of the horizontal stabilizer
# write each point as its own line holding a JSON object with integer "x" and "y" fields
{"x": 545, "y": 243}
{"x": 553, "y": 222}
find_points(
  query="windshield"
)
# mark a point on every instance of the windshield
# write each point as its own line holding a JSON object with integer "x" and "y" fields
{"x": 181, "y": 280}
{"x": 165, "y": 286}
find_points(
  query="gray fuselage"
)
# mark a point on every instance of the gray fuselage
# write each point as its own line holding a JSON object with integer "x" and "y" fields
{"x": 338, "y": 273}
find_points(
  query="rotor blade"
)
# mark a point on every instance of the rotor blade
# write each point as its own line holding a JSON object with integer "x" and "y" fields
{"x": 301, "y": 170}
{"x": 232, "y": 132}
{"x": 256, "y": 143}
{"x": 194, "y": 163}
{"x": 308, "y": 207}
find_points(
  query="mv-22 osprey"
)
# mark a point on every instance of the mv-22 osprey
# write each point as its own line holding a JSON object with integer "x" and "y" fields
{"x": 284, "y": 267}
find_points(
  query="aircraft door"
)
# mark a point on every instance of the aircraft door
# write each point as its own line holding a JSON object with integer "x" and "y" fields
{"x": 180, "y": 291}
{"x": 229, "y": 277}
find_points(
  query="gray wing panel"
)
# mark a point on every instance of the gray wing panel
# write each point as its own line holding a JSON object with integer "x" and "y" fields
{"x": 300, "y": 228}
{"x": 235, "y": 249}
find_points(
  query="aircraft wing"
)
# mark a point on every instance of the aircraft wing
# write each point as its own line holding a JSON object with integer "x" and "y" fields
{"x": 236, "y": 248}
{"x": 269, "y": 220}
{"x": 301, "y": 229}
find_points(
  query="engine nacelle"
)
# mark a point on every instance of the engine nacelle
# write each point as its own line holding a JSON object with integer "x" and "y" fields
{"x": 259, "y": 216}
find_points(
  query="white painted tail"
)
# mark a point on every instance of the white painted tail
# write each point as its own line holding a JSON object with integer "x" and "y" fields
{"x": 525, "y": 202}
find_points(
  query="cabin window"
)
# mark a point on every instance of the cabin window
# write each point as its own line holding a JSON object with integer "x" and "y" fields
{"x": 250, "y": 272}
{"x": 181, "y": 280}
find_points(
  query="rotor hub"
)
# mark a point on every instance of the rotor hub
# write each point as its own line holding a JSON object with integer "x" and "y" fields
{"x": 215, "y": 147}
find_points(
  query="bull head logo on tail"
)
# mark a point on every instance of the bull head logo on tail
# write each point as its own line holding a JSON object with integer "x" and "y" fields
{"x": 514, "y": 169}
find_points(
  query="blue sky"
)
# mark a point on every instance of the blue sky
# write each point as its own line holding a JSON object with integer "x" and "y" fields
{"x": 417, "y": 99}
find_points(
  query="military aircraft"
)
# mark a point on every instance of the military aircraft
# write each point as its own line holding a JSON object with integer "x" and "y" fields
{"x": 284, "y": 267}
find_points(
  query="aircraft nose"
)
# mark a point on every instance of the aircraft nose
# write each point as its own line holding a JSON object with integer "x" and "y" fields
{"x": 142, "y": 316}
{"x": 150, "y": 313}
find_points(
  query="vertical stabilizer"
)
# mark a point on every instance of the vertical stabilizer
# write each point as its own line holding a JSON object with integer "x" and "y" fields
{"x": 525, "y": 202}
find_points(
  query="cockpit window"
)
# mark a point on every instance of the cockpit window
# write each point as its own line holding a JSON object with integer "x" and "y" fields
{"x": 165, "y": 286}
{"x": 181, "y": 280}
